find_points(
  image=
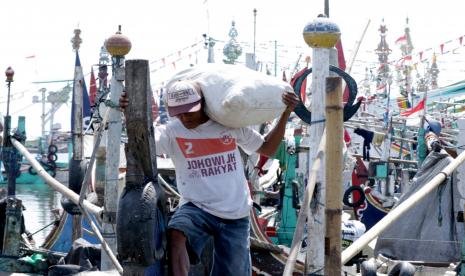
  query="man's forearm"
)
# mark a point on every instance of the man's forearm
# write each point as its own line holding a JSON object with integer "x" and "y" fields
{"x": 274, "y": 137}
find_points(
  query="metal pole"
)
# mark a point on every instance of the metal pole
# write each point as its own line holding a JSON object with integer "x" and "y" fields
{"x": 10, "y": 153}
{"x": 254, "y": 31}
{"x": 43, "y": 112}
{"x": 275, "y": 58}
{"x": 211, "y": 54}
{"x": 8, "y": 99}
{"x": 327, "y": 8}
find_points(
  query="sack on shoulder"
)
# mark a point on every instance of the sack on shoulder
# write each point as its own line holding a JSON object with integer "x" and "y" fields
{"x": 235, "y": 95}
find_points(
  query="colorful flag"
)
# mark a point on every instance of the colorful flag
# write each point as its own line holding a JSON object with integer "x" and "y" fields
{"x": 342, "y": 65}
{"x": 414, "y": 115}
{"x": 303, "y": 88}
{"x": 380, "y": 88}
{"x": 403, "y": 102}
{"x": 402, "y": 40}
{"x": 80, "y": 95}
{"x": 419, "y": 108}
{"x": 92, "y": 88}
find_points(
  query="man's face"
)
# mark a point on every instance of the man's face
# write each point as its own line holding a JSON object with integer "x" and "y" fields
{"x": 191, "y": 120}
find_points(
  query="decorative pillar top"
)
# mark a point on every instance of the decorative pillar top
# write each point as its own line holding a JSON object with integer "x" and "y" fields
{"x": 321, "y": 33}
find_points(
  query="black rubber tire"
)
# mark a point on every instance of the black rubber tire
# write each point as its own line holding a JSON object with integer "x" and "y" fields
{"x": 70, "y": 207}
{"x": 368, "y": 268}
{"x": 52, "y": 157}
{"x": 402, "y": 269}
{"x": 348, "y": 192}
{"x": 139, "y": 214}
{"x": 51, "y": 165}
{"x": 32, "y": 171}
{"x": 52, "y": 149}
{"x": 77, "y": 170}
{"x": 349, "y": 109}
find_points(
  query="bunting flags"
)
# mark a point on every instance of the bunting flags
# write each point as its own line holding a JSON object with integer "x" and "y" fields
{"x": 419, "y": 56}
{"x": 80, "y": 94}
{"x": 92, "y": 88}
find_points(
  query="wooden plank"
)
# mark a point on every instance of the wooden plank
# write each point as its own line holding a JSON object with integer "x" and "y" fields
{"x": 333, "y": 177}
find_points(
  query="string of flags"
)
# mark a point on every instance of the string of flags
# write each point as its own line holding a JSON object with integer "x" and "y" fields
{"x": 443, "y": 49}
{"x": 174, "y": 57}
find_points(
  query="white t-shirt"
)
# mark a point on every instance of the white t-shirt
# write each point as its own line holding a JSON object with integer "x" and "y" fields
{"x": 209, "y": 169}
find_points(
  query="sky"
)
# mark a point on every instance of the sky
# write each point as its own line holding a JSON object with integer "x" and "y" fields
{"x": 169, "y": 35}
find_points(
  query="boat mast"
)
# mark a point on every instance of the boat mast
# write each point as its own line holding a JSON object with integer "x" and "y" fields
{"x": 434, "y": 72}
{"x": 77, "y": 130}
{"x": 406, "y": 47}
{"x": 99, "y": 111}
{"x": 383, "y": 52}
{"x": 118, "y": 46}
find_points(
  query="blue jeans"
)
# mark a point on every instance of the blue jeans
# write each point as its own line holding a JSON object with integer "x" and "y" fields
{"x": 231, "y": 254}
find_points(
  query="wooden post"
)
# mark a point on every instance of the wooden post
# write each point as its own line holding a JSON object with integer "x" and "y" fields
{"x": 140, "y": 219}
{"x": 112, "y": 164}
{"x": 316, "y": 226}
{"x": 118, "y": 46}
{"x": 321, "y": 35}
{"x": 333, "y": 176}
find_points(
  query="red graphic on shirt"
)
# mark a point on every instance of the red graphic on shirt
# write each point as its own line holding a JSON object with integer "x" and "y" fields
{"x": 192, "y": 148}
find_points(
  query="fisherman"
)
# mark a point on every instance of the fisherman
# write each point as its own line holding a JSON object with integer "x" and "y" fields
{"x": 215, "y": 198}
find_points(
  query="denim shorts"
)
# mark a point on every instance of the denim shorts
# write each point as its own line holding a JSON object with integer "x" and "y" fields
{"x": 231, "y": 248}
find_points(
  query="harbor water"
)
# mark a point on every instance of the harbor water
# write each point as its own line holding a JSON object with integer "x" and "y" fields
{"x": 39, "y": 201}
{"x": 41, "y": 204}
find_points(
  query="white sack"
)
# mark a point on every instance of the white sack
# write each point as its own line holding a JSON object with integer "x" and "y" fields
{"x": 235, "y": 95}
